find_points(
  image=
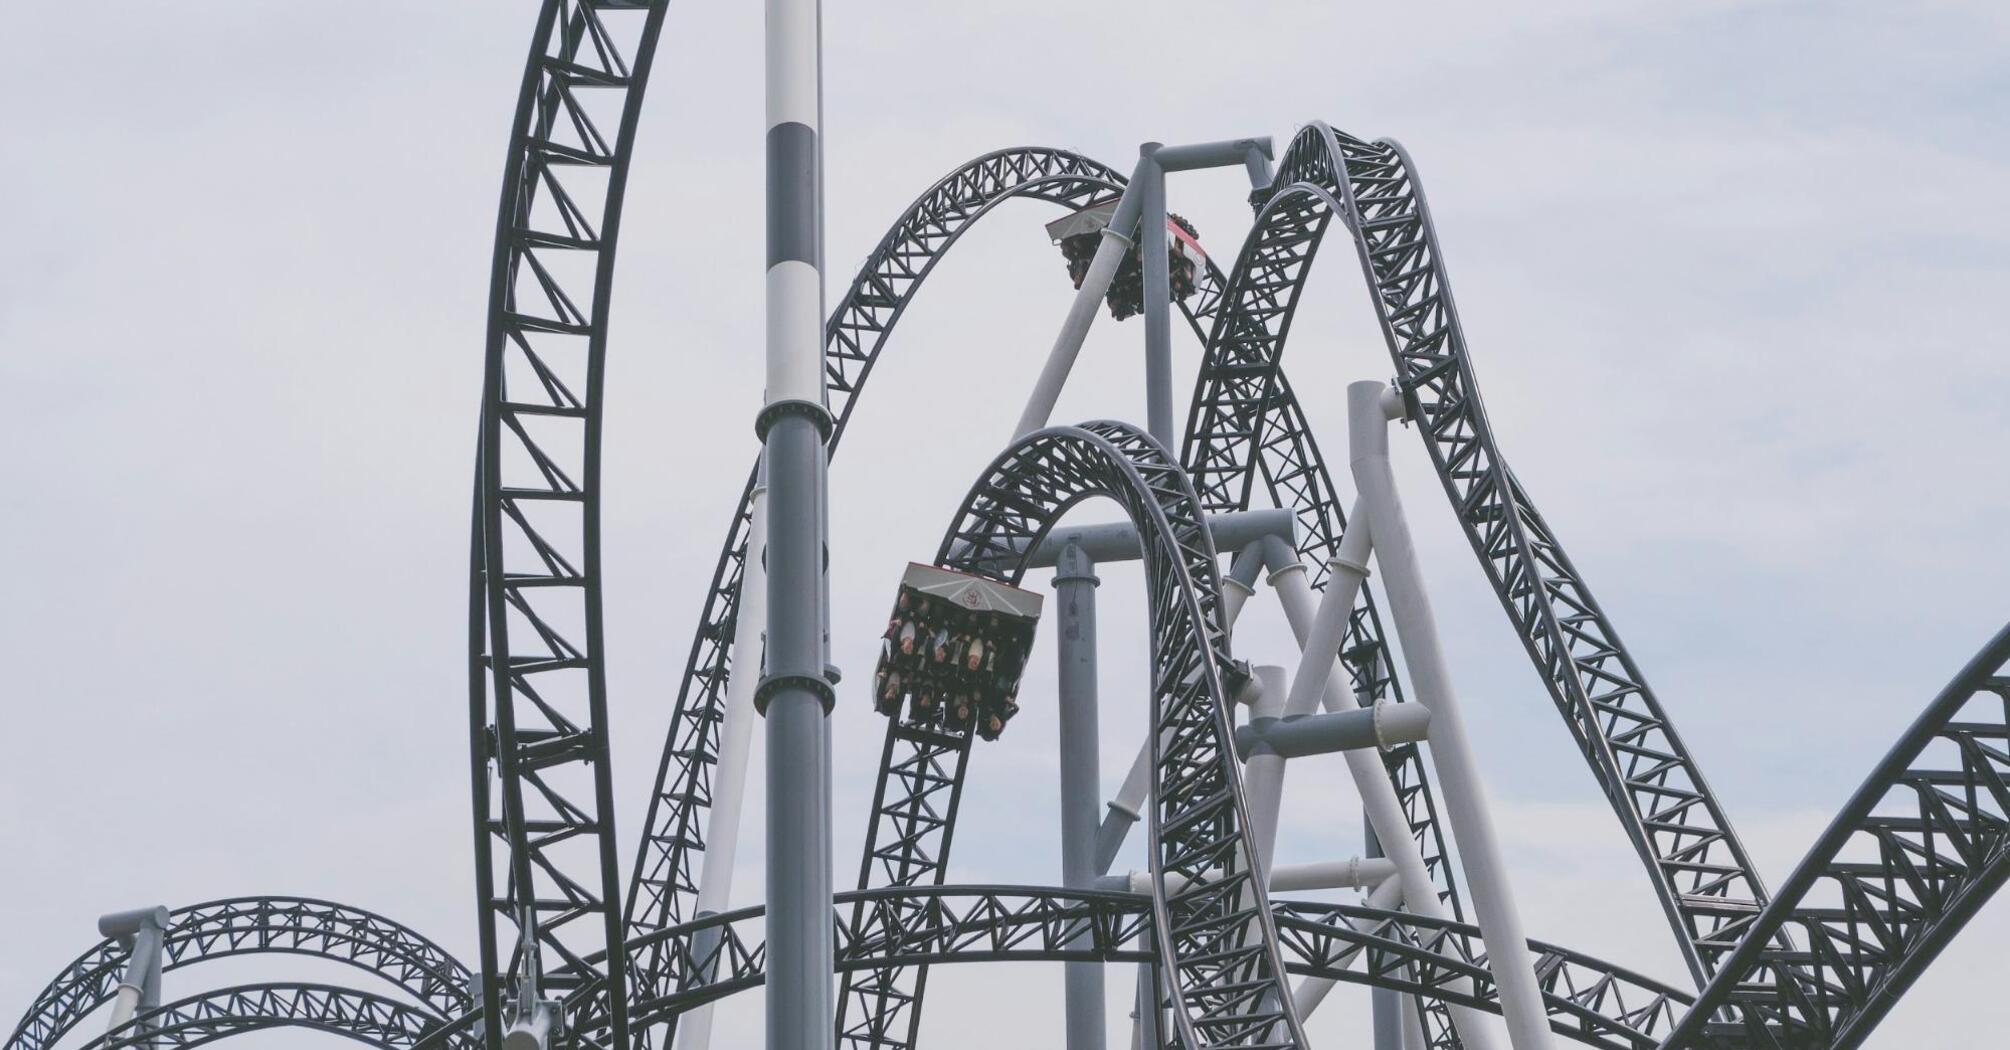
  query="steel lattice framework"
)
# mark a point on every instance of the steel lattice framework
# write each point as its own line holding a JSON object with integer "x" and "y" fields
{"x": 543, "y": 799}
{"x": 1700, "y": 871}
{"x": 1920, "y": 846}
{"x": 1588, "y": 1000}
{"x": 1216, "y": 945}
{"x": 361, "y": 1016}
{"x": 252, "y": 925}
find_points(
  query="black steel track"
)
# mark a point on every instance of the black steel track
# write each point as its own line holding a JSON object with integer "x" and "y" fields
{"x": 1700, "y": 871}
{"x": 1217, "y": 947}
{"x": 1587, "y": 1000}
{"x": 1916, "y": 851}
{"x": 362, "y": 1016}
{"x": 435, "y": 980}
{"x": 546, "y": 868}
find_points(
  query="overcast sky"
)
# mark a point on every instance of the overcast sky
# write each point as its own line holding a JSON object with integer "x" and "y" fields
{"x": 1732, "y": 275}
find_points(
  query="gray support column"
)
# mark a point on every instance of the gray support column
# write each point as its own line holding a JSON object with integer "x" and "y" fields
{"x": 1450, "y": 748}
{"x": 1385, "y": 1004}
{"x": 794, "y": 693}
{"x": 1157, "y": 298}
{"x": 1081, "y": 781}
{"x": 140, "y": 932}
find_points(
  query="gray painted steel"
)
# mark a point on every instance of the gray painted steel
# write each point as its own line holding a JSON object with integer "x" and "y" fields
{"x": 794, "y": 695}
{"x": 1214, "y": 154}
{"x": 1081, "y": 781}
{"x": 1118, "y": 541}
{"x": 794, "y": 232}
{"x": 1157, "y": 298}
{"x": 795, "y": 692}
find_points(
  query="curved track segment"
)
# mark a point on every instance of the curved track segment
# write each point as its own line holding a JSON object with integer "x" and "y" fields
{"x": 546, "y": 870}
{"x": 664, "y": 886}
{"x": 250, "y": 925}
{"x": 1215, "y": 942}
{"x": 1700, "y": 871}
{"x": 345, "y": 1012}
{"x": 1919, "y": 848}
{"x": 1587, "y": 1000}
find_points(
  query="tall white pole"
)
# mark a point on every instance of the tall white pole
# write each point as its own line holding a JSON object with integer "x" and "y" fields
{"x": 1450, "y": 749}
{"x": 736, "y": 734}
{"x": 794, "y": 694}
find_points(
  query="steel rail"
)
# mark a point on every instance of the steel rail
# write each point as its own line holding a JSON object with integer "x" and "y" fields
{"x": 708, "y": 959}
{"x": 362, "y": 1016}
{"x": 664, "y": 885}
{"x": 252, "y": 925}
{"x": 1216, "y": 946}
{"x": 1699, "y": 870}
{"x": 542, "y": 793}
{"x": 1919, "y": 848}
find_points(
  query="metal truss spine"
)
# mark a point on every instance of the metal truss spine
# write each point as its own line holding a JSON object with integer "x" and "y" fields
{"x": 1588, "y": 1000}
{"x": 1217, "y": 949}
{"x": 1916, "y": 851}
{"x": 1246, "y": 421}
{"x": 1700, "y": 871}
{"x": 545, "y": 813}
{"x": 361, "y": 1016}
{"x": 252, "y": 925}
{"x": 664, "y": 883}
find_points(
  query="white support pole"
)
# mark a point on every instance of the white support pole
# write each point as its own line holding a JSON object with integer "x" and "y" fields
{"x": 1263, "y": 771}
{"x": 1451, "y": 751}
{"x": 1371, "y": 779}
{"x": 736, "y": 734}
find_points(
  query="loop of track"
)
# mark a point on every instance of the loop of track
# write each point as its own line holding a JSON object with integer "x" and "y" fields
{"x": 226, "y": 1012}
{"x": 1699, "y": 870}
{"x": 251, "y": 925}
{"x": 1216, "y": 944}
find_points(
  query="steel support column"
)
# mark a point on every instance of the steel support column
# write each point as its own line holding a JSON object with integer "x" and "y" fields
{"x": 794, "y": 694}
{"x": 1081, "y": 780}
{"x": 1451, "y": 750}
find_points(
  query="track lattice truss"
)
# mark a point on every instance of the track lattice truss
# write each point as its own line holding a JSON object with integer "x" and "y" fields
{"x": 363, "y": 1016}
{"x": 722, "y": 955}
{"x": 1217, "y": 946}
{"x": 1920, "y": 846}
{"x": 1700, "y": 871}
{"x": 546, "y": 871}
{"x": 1915, "y": 853}
{"x": 239, "y": 926}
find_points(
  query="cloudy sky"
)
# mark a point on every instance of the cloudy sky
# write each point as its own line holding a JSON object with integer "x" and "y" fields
{"x": 1732, "y": 274}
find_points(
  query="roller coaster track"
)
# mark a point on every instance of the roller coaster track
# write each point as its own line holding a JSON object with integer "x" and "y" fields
{"x": 250, "y": 925}
{"x": 721, "y": 955}
{"x": 542, "y": 793}
{"x": 1916, "y": 851}
{"x": 361, "y": 1016}
{"x": 1217, "y": 948}
{"x": 1700, "y": 871}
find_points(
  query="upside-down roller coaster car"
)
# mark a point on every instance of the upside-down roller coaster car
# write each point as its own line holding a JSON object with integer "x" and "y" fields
{"x": 954, "y": 651}
{"x": 1079, "y": 233}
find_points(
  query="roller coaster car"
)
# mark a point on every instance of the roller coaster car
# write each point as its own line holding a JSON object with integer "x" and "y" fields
{"x": 954, "y": 650}
{"x": 1080, "y": 232}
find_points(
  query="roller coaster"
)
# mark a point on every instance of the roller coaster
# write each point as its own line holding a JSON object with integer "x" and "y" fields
{"x": 570, "y": 957}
